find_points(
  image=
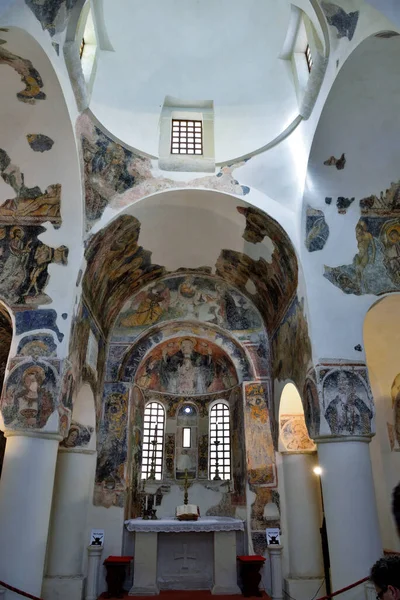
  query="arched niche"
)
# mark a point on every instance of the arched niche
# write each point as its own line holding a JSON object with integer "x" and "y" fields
{"x": 381, "y": 343}
{"x": 293, "y": 434}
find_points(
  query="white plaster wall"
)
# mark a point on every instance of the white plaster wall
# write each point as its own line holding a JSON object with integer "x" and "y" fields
{"x": 382, "y": 339}
{"x": 226, "y": 51}
{"x": 59, "y": 165}
{"x": 361, "y": 121}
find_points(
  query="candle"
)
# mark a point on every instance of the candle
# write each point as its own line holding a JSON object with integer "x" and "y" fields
{"x": 216, "y": 429}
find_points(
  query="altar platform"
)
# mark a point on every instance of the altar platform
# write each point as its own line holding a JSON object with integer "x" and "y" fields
{"x": 185, "y": 555}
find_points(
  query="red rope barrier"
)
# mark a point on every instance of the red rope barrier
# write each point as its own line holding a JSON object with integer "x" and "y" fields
{"x": 345, "y": 589}
{"x": 17, "y": 591}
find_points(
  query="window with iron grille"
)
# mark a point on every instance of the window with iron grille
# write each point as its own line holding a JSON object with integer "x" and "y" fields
{"x": 187, "y": 137}
{"x": 309, "y": 58}
{"x": 153, "y": 440}
{"x": 220, "y": 453}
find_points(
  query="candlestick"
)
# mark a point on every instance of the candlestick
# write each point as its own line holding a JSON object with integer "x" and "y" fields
{"x": 153, "y": 455}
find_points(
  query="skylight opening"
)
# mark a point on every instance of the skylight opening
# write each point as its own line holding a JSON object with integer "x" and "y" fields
{"x": 187, "y": 137}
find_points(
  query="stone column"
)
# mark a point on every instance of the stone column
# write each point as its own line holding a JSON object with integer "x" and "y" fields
{"x": 350, "y": 510}
{"x": 73, "y": 483}
{"x": 26, "y": 490}
{"x": 304, "y": 518}
{"x": 275, "y": 554}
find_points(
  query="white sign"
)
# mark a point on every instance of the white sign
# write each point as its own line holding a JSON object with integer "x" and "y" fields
{"x": 273, "y": 536}
{"x": 97, "y": 537}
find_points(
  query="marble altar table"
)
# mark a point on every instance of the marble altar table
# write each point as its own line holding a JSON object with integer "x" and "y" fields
{"x": 172, "y": 554}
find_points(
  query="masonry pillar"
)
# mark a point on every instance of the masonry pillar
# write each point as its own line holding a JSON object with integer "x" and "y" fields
{"x": 72, "y": 488}
{"x": 303, "y": 514}
{"x": 26, "y": 489}
{"x": 350, "y": 510}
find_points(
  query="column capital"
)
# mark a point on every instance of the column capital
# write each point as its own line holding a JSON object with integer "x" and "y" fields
{"x": 331, "y": 439}
{"x": 290, "y": 452}
{"x": 44, "y": 435}
{"x": 76, "y": 450}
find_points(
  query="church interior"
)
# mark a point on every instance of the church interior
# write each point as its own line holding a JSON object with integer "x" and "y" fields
{"x": 199, "y": 296}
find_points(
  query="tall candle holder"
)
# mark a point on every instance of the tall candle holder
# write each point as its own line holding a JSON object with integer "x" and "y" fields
{"x": 216, "y": 476}
{"x": 153, "y": 455}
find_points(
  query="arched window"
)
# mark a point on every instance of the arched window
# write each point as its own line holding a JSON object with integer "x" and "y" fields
{"x": 220, "y": 442}
{"x": 153, "y": 441}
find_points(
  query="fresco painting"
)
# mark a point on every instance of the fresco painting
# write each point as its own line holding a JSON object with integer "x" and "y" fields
{"x": 39, "y": 142}
{"x": 30, "y": 206}
{"x": 186, "y": 366}
{"x": 188, "y": 297}
{"x": 395, "y": 394}
{"x": 339, "y": 163}
{"x": 345, "y": 23}
{"x": 127, "y": 369}
{"x": 259, "y": 442}
{"x": 376, "y": 266}
{"x": 53, "y": 15}
{"x": 30, "y": 396}
{"x": 78, "y": 436}
{"x": 317, "y": 229}
{"x": 312, "y": 411}
{"x": 117, "y": 177}
{"x": 6, "y": 332}
{"x": 112, "y": 255}
{"x": 291, "y": 346}
{"x": 112, "y": 447}
{"x": 40, "y": 344}
{"x": 294, "y": 434}
{"x": 29, "y": 75}
{"x": 348, "y": 405}
{"x": 29, "y": 320}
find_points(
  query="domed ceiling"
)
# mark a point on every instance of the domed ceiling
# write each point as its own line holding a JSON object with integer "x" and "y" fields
{"x": 226, "y": 51}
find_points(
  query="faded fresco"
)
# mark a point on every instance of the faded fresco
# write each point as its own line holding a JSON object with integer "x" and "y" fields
{"x": 395, "y": 394}
{"x": 312, "y": 411}
{"x": 187, "y": 297}
{"x": 375, "y": 268}
{"x": 294, "y": 434}
{"x": 34, "y": 346}
{"x": 39, "y": 142}
{"x": 112, "y": 448}
{"x": 6, "y": 332}
{"x": 114, "y": 254}
{"x": 78, "y": 436}
{"x": 30, "y": 395}
{"x": 29, "y": 320}
{"x": 30, "y": 206}
{"x": 187, "y": 365}
{"x": 348, "y": 406}
{"x": 29, "y": 75}
{"x": 339, "y": 163}
{"x": 259, "y": 442}
{"x": 344, "y": 22}
{"x": 291, "y": 346}
{"x": 53, "y": 15}
{"x": 274, "y": 282}
{"x": 317, "y": 229}
{"x": 116, "y": 177}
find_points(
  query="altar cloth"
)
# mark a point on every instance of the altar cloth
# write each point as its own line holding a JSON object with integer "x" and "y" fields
{"x": 172, "y": 525}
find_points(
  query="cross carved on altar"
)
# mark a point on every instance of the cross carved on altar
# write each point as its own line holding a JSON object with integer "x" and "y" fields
{"x": 185, "y": 557}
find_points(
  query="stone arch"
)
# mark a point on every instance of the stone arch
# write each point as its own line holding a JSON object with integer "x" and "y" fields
{"x": 293, "y": 434}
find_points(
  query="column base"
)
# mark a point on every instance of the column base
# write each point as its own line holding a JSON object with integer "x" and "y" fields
{"x": 151, "y": 590}
{"x": 63, "y": 588}
{"x": 231, "y": 590}
{"x": 305, "y": 588}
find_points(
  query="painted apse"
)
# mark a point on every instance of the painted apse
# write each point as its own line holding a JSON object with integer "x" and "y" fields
{"x": 191, "y": 337}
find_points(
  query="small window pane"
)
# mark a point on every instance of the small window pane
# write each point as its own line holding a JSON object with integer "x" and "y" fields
{"x": 186, "y": 437}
